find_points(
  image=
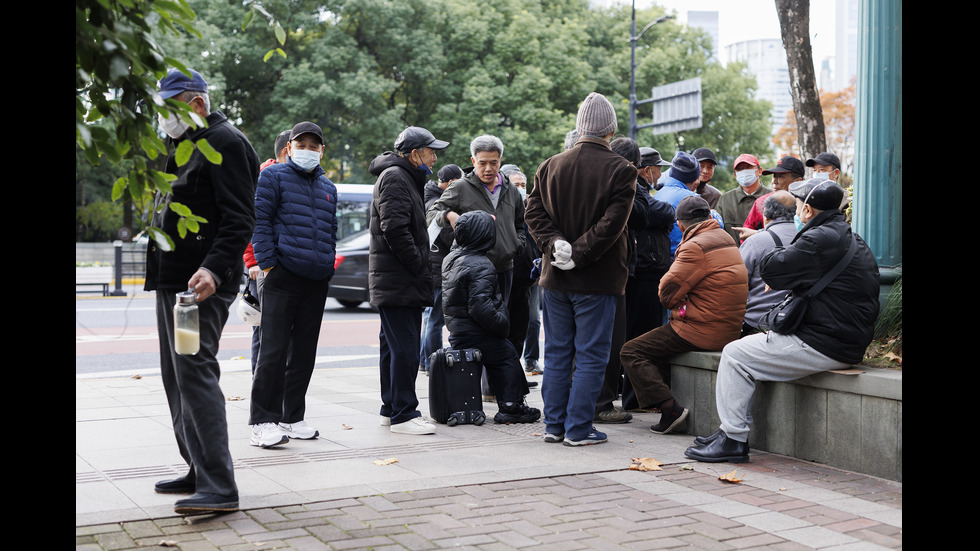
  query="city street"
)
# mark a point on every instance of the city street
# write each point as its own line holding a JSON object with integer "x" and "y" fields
{"x": 117, "y": 336}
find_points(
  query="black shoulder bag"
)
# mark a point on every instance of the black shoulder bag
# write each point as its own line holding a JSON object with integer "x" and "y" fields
{"x": 785, "y": 317}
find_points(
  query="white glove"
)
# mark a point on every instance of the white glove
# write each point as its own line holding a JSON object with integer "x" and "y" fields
{"x": 566, "y": 265}
{"x": 562, "y": 251}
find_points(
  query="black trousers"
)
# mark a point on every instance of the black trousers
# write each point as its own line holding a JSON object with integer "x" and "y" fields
{"x": 400, "y": 340}
{"x": 197, "y": 405}
{"x": 500, "y": 363}
{"x": 292, "y": 311}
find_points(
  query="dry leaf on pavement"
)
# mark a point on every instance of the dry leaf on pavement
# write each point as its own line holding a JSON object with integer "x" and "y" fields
{"x": 730, "y": 477}
{"x": 645, "y": 464}
{"x": 346, "y": 427}
{"x": 388, "y": 461}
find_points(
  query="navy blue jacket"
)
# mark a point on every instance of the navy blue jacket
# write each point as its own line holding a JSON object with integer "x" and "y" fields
{"x": 296, "y": 221}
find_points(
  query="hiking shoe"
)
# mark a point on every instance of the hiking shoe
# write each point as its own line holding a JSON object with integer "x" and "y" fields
{"x": 614, "y": 415}
{"x": 299, "y": 430}
{"x": 513, "y": 412}
{"x": 594, "y": 437}
{"x": 532, "y": 367}
{"x": 670, "y": 418}
{"x": 489, "y": 398}
{"x": 553, "y": 438}
{"x": 266, "y": 435}
{"x": 415, "y": 425}
{"x": 203, "y": 503}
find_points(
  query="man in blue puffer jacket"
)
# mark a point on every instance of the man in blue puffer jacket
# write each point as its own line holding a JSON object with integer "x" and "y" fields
{"x": 295, "y": 242}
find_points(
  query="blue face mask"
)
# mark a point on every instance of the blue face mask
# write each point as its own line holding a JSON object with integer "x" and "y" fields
{"x": 425, "y": 169}
{"x": 799, "y": 223}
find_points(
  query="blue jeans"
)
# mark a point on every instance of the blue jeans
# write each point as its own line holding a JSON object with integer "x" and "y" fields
{"x": 533, "y": 326}
{"x": 578, "y": 335}
{"x": 432, "y": 325}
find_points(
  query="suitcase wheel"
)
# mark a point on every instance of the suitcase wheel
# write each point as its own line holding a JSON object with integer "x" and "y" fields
{"x": 453, "y": 420}
{"x": 479, "y": 417}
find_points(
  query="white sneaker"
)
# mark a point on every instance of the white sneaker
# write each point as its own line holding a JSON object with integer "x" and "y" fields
{"x": 385, "y": 421}
{"x": 415, "y": 425}
{"x": 299, "y": 430}
{"x": 266, "y": 435}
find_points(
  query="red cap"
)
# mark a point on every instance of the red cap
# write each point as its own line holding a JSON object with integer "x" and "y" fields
{"x": 746, "y": 158}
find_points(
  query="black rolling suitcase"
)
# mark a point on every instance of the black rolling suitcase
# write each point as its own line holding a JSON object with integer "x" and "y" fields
{"x": 454, "y": 387}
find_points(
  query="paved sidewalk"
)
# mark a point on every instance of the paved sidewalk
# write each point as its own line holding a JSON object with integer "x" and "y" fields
{"x": 488, "y": 487}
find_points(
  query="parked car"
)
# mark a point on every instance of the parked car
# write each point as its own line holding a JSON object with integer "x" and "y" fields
{"x": 353, "y": 208}
{"x": 349, "y": 285}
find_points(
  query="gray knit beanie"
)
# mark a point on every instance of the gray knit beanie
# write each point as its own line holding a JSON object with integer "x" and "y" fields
{"x": 684, "y": 168}
{"x": 596, "y": 117}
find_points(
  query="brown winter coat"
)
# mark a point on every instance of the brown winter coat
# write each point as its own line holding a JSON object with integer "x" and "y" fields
{"x": 709, "y": 282}
{"x": 584, "y": 196}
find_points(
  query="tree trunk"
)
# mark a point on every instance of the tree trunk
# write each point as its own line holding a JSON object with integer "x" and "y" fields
{"x": 794, "y": 25}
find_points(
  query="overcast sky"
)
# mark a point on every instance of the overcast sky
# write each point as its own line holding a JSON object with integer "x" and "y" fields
{"x": 740, "y": 20}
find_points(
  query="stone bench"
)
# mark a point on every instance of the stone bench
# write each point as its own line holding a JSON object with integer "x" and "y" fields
{"x": 849, "y": 421}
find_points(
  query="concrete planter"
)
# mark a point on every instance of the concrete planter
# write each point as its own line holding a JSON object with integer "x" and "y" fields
{"x": 852, "y": 422}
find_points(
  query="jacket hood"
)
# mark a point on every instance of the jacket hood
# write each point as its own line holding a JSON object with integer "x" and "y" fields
{"x": 387, "y": 160}
{"x": 476, "y": 231}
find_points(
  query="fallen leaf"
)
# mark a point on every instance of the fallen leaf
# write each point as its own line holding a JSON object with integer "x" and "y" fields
{"x": 235, "y": 398}
{"x": 346, "y": 427}
{"x": 535, "y": 434}
{"x": 645, "y": 464}
{"x": 687, "y": 467}
{"x": 137, "y": 376}
{"x": 239, "y": 358}
{"x": 782, "y": 489}
{"x": 167, "y": 543}
{"x": 894, "y": 357}
{"x": 388, "y": 461}
{"x": 730, "y": 477}
{"x": 850, "y": 371}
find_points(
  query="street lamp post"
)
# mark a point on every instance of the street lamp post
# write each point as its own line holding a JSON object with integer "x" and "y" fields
{"x": 633, "y": 38}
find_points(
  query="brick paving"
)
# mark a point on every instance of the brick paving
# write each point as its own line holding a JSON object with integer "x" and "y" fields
{"x": 677, "y": 508}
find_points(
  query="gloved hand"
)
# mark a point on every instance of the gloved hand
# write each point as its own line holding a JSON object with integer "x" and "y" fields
{"x": 562, "y": 251}
{"x": 566, "y": 265}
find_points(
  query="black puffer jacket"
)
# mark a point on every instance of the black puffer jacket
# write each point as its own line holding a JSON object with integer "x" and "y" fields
{"x": 470, "y": 298}
{"x": 839, "y": 321}
{"x": 440, "y": 247}
{"x": 398, "y": 264}
{"x": 653, "y": 238}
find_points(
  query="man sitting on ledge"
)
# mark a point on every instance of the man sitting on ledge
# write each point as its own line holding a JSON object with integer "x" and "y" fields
{"x": 835, "y": 331}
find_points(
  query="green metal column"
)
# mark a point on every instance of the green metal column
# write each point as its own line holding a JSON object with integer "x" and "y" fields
{"x": 877, "y": 214}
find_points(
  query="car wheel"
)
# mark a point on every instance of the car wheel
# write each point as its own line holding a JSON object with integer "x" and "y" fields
{"x": 349, "y": 303}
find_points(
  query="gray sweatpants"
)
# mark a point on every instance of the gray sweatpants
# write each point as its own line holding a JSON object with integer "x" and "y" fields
{"x": 760, "y": 357}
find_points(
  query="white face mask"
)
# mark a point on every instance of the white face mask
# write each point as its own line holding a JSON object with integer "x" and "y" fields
{"x": 746, "y": 177}
{"x": 307, "y": 159}
{"x": 172, "y": 125}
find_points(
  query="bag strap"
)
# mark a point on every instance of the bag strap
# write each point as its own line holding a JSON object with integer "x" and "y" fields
{"x": 829, "y": 276}
{"x": 775, "y": 238}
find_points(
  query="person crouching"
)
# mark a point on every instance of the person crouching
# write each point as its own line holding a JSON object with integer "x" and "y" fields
{"x": 477, "y": 317}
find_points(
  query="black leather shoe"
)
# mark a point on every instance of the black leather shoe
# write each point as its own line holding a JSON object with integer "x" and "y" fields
{"x": 181, "y": 485}
{"x": 720, "y": 450}
{"x": 202, "y": 503}
{"x": 702, "y": 440}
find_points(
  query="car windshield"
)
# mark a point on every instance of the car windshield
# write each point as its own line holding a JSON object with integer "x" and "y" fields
{"x": 359, "y": 240}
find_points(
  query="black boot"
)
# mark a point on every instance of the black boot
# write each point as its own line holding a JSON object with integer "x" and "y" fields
{"x": 516, "y": 412}
{"x": 671, "y": 416}
{"x": 721, "y": 449}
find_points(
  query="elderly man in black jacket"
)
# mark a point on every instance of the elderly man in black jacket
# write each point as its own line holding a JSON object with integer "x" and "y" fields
{"x": 399, "y": 277}
{"x": 837, "y": 328}
{"x": 209, "y": 263}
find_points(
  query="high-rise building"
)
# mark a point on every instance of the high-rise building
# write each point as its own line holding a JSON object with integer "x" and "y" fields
{"x": 708, "y": 21}
{"x": 766, "y": 59}
{"x": 846, "y": 47}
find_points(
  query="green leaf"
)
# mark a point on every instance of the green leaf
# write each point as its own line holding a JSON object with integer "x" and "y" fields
{"x": 248, "y": 18}
{"x": 280, "y": 33}
{"x": 181, "y": 209}
{"x": 184, "y": 151}
{"x": 119, "y": 187}
{"x": 161, "y": 238}
{"x": 268, "y": 55}
{"x": 209, "y": 152}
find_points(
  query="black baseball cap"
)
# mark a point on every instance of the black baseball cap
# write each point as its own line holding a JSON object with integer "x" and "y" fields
{"x": 306, "y": 127}
{"x": 693, "y": 207}
{"x": 786, "y": 164}
{"x": 416, "y": 137}
{"x": 450, "y": 172}
{"x": 704, "y": 154}
{"x": 826, "y": 158}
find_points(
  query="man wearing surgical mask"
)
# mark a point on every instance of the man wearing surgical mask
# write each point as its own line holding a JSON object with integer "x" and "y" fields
{"x": 736, "y": 204}
{"x": 295, "y": 243}
{"x": 826, "y": 165}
